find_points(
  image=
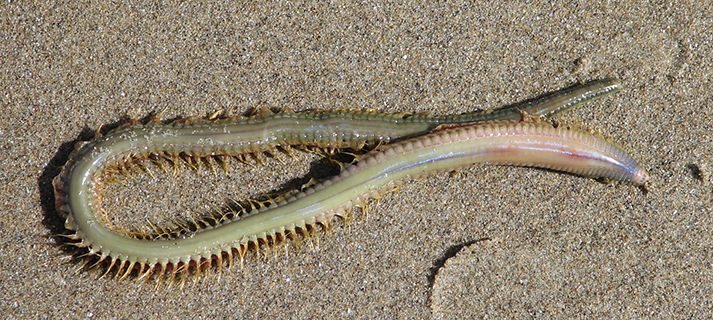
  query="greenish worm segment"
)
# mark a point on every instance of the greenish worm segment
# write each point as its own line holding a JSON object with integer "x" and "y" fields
{"x": 428, "y": 144}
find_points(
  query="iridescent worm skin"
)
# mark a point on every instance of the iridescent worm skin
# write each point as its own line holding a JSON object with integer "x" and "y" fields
{"x": 495, "y": 142}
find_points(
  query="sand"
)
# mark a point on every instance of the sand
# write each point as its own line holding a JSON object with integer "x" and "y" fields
{"x": 483, "y": 242}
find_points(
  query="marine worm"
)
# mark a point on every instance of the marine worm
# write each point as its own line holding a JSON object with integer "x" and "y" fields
{"x": 410, "y": 146}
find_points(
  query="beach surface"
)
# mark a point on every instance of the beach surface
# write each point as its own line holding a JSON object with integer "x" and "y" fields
{"x": 496, "y": 242}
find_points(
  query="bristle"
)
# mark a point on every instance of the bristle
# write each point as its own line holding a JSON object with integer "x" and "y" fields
{"x": 108, "y": 271}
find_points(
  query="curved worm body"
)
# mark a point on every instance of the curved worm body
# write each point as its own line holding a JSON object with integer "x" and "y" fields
{"x": 448, "y": 147}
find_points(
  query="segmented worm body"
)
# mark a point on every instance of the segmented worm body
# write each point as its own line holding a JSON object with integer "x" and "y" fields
{"x": 426, "y": 145}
